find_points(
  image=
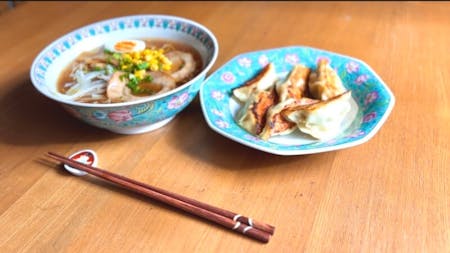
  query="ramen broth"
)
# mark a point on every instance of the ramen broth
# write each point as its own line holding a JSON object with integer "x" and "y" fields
{"x": 94, "y": 62}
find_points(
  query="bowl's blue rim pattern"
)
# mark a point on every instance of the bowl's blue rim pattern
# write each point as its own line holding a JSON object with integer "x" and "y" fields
{"x": 51, "y": 52}
{"x": 369, "y": 91}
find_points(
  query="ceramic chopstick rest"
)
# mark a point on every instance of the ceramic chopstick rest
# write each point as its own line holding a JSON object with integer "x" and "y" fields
{"x": 85, "y": 156}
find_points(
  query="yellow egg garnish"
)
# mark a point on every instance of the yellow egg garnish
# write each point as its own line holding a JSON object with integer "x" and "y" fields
{"x": 125, "y": 46}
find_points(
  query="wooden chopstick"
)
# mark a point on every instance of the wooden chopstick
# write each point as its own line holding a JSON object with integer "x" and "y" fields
{"x": 236, "y": 217}
{"x": 203, "y": 210}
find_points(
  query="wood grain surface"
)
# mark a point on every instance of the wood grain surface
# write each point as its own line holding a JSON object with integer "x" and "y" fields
{"x": 390, "y": 194}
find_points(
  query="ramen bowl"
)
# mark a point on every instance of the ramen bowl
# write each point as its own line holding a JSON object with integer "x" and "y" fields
{"x": 131, "y": 117}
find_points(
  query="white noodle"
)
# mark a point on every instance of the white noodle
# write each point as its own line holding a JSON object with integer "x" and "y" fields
{"x": 85, "y": 85}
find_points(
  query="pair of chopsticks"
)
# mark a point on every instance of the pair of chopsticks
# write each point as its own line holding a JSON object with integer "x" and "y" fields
{"x": 236, "y": 222}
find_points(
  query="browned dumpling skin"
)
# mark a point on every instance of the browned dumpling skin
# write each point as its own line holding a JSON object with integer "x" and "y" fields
{"x": 324, "y": 83}
{"x": 264, "y": 80}
{"x": 252, "y": 116}
{"x": 290, "y": 91}
{"x": 313, "y": 102}
{"x": 321, "y": 119}
{"x": 295, "y": 86}
{"x": 276, "y": 123}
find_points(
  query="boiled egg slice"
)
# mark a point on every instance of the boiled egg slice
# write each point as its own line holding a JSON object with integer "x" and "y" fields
{"x": 125, "y": 46}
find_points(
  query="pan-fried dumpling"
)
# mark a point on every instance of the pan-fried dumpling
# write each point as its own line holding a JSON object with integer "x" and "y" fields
{"x": 264, "y": 80}
{"x": 276, "y": 123}
{"x": 295, "y": 85}
{"x": 290, "y": 91}
{"x": 324, "y": 83}
{"x": 322, "y": 119}
{"x": 252, "y": 116}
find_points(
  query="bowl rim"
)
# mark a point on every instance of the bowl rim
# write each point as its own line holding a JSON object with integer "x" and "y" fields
{"x": 205, "y": 69}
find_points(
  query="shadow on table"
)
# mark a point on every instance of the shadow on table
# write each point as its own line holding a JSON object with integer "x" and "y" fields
{"x": 194, "y": 137}
{"x": 29, "y": 118}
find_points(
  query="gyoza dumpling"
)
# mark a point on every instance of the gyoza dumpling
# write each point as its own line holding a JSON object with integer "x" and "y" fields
{"x": 252, "y": 116}
{"x": 264, "y": 80}
{"x": 322, "y": 119}
{"x": 291, "y": 91}
{"x": 276, "y": 123}
{"x": 324, "y": 83}
{"x": 295, "y": 85}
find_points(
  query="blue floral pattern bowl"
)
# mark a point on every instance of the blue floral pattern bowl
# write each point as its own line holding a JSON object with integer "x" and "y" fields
{"x": 135, "y": 116}
{"x": 372, "y": 99}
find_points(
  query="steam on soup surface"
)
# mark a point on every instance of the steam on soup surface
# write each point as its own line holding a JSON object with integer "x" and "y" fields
{"x": 128, "y": 70}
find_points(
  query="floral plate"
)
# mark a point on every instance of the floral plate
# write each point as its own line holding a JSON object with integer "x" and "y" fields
{"x": 372, "y": 101}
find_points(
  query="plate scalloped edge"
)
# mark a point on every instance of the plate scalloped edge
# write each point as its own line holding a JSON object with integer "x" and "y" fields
{"x": 373, "y": 97}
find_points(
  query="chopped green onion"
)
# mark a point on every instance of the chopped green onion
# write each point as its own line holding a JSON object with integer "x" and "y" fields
{"x": 148, "y": 78}
{"x": 106, "y": 51}
{"x": 116, "y": 56}
{"x": 143, "y": 65}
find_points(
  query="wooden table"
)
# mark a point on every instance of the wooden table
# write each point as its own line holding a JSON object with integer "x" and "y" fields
{"x": 391, "y": 194}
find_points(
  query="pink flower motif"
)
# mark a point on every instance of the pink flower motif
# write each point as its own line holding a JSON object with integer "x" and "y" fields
{"x": 228, "y": 77}
{"x": 252, "y": 138}
{"x": 356, "y": 133}
{"x": 370, "y": 116}
{"x": 172, "y": 24}
{"x": 178, "y": 101}
{"x": 158, "y": 22}
{"x": 120, "y": 116}
{"x": 291, "y": 59}
{"x": 217, "y": 112}
{"x": 352, "y": 67}
{"x": 222, "y": 124}
{"x": 217, "y": 95}
{"x": 263, "y": 60}
{"x": 361, "y": 79}
{"x": 323, "y": 58}
{"x": 245, "y": 62}
{"x": 372, "y": 96}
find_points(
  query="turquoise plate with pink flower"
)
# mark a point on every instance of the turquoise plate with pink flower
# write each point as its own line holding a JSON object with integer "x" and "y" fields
{"x": 372, "y": 101}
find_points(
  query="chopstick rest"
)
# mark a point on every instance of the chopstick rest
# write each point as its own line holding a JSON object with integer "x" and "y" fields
{"x": 254, "y": 229}
{"x": 86, "y": 156}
